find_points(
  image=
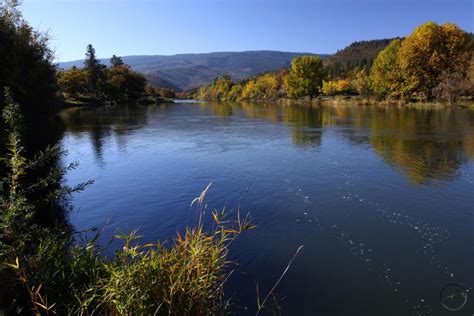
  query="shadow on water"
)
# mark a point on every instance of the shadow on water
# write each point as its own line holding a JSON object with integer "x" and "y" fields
{"x": 102, "y": 122}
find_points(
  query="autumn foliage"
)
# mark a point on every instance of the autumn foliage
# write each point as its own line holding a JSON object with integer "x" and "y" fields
{"x": 435, "y": 61}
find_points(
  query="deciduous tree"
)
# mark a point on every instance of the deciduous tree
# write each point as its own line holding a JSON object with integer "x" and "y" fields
{"x": 362, "y": 83}
{"x": 386, "y": 75}
{"x": 73, "y": 81}
{"x": 305, "y": 78}
{"x": 335, "y": 87}
{"x": 430, "y": 51}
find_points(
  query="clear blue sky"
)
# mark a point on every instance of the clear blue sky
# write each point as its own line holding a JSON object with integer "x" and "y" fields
{"x": 165, "y": 27}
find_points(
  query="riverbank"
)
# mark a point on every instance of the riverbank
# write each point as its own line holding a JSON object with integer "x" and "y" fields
{"x": 351, "y": 100}
{"x": 363, "y": 101}
{"x": 68, "y": 101}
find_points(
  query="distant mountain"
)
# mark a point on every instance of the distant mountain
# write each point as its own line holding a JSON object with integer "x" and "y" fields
{"x": 187, "y": 71}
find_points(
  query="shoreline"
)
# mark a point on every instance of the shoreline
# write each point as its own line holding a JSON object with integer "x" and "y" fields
{"x": 350, "y": 100}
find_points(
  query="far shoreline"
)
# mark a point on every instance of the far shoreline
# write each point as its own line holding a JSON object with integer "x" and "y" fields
{"x": 347, "y": 100}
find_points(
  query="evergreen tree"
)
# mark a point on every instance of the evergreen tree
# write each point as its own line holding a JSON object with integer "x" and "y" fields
{"x": 116, "y": 61}
{"x": 95, "y": 72}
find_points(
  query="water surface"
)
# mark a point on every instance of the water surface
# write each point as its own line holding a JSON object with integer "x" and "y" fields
{"x": 381, "y": 198}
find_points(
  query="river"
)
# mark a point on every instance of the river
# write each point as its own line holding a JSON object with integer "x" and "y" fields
{"x": 382, "y": 198}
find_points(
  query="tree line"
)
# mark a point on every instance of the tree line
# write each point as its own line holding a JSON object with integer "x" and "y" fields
{"x": 95, "y": 81}
{"x": 433, "y": 62}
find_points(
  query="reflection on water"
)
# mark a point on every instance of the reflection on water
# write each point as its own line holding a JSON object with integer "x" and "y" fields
{"x": 425, "y": 144}
{"x": 380, "y": 197}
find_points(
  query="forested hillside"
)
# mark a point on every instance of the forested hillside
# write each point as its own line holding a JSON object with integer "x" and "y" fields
{"x": 187, "y": 71}
{"x": 359, "y": 54}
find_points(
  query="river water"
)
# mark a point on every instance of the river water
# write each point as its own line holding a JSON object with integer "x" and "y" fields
{"x": 382, "y": 199}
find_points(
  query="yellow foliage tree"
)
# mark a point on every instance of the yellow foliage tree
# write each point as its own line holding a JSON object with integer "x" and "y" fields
{"x": 335, "y": 87}
{"x": 267, "y": 85}
{"x": 248, "y": 92}
{"x": 305, "y": 78}
{"x": 73, "y": 81}
{"x": 329, "y": 88}
{"x": 343, "y": 86}
{"x": 385, "y": 74}
{"x": 430, "y": 51}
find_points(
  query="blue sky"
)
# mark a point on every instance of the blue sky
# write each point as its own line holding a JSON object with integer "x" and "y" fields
{"x": 165, "y": 27}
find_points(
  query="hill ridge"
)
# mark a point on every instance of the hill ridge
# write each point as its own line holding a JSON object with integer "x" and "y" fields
{"x": 190, "y": 70}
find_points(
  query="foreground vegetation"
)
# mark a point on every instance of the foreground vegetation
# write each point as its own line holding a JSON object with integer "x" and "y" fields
{"x": 27, "y": 68}
{"x": 435, "y": 62}
{"x": 46, "y": 267}
{"x": 44, "y": 271}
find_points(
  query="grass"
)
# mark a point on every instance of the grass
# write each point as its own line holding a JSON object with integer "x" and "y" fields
{"x": 186, "y": 278}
